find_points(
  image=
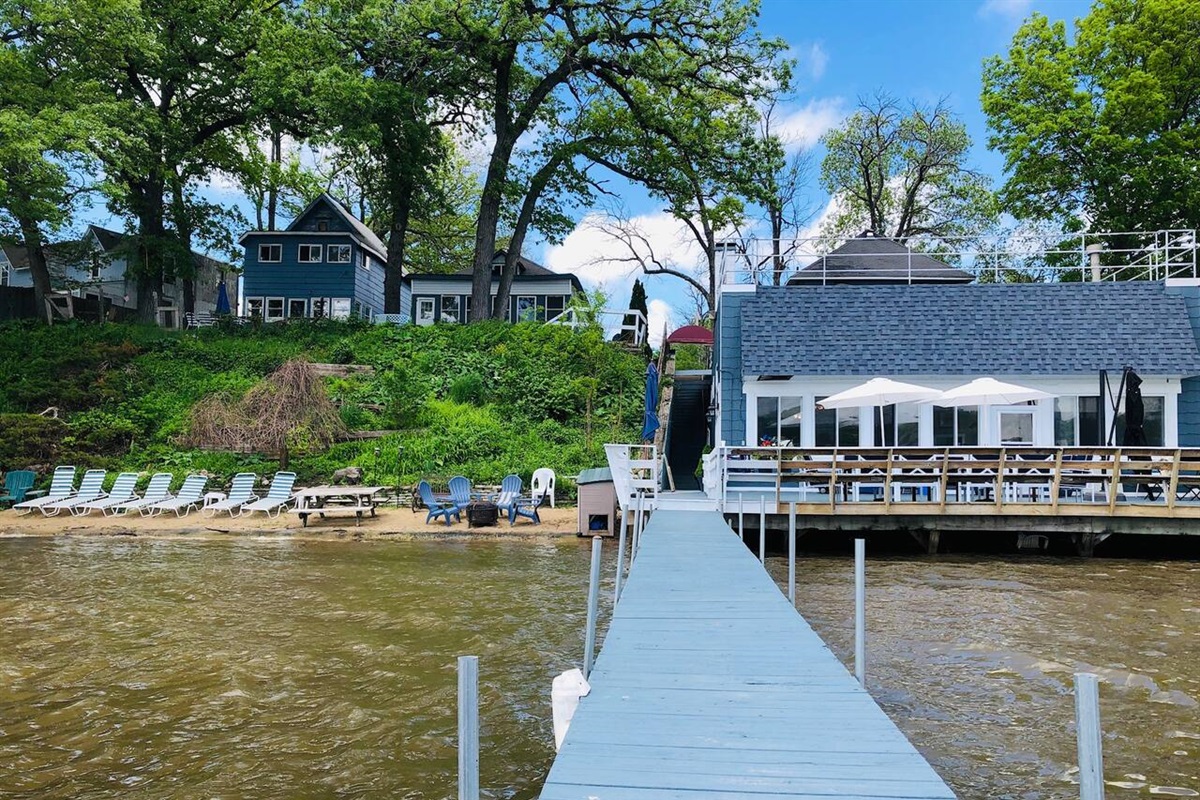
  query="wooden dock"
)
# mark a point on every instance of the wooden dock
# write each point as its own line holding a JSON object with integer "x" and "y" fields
{"x": 711, "y": 687}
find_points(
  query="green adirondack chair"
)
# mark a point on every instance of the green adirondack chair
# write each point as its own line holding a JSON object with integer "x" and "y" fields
{"x": 16, "y": 483}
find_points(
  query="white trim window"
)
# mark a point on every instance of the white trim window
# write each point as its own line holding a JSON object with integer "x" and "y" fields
{"x": 836, "y": 427}
{"x": 270, "y": 253}
{"x": 527, "y": 308}
{"x": 364, "y": 260}
{"x": 339, "y": 308}
{"x": 319, "y": 307}
{"x": 955, "y": 426}
{"x": 297, "y": 307}
{"x": 338, "y": 253}
{"x": 1077, "y": 421}
{"x": 426, "y": 311}
{"x": 779, "y": 421}
{"x": 274, "y": 309}
{"x": 309, "y": 254}
{"x": 451, "y": 308}
{"x": 254, "y": 307}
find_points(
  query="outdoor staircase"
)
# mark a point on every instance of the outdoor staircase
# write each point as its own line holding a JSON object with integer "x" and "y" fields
{"x": 687, "y": 428}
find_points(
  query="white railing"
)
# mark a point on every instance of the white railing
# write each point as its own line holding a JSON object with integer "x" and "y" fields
{"x": 633, "y": 321}
{"x": 1138, "y": 255}
{"x": 713, "y": 478}
{"x": 635, "y": 468}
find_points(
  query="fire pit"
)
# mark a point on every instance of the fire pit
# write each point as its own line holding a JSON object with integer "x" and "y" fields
{"x": 482, "y": 514}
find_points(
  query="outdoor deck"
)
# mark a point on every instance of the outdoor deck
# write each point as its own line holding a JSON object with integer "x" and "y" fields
{"x": 710, "y": 685}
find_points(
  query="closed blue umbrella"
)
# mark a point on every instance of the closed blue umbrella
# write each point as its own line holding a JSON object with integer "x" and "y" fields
{"x": 222, "y": 299}
{"x": 650, "y": 420}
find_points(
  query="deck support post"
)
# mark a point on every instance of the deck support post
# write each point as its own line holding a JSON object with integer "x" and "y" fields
{"x": 468, "y": 728}
{"x": 593, "y": 608}
{"x": 932, "y": 541}
{"x": 860, "y": 611}
{"x": 762, "y": 529}
{"x": 792, "y": 555}
{"x": 620, "y": 560}
{"x": 742, "y": 517}
{"x": 1087, "y": 734}
{"x": 637, "y": 528}
{"x": 1085, "y": 544}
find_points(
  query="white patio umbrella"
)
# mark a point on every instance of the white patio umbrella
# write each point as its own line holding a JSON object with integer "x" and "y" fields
{"x": 989, "y": 392}
{"x": 879, "y": 392}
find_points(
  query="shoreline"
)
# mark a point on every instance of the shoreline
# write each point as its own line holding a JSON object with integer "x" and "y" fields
{"x": 390, "y": 524}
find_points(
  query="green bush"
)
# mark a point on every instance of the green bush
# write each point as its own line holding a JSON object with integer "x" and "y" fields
{"x": 469, "y": 389}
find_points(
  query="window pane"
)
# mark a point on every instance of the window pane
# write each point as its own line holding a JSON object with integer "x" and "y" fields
{"x": 908, "y": 416}
{"x": 1016, "y": 428}
{"x": 526, "y": 309}
{"x": 310, "y": 253}
{"x": 1089, "y": 421}
{"x": 339, "y": 253}
{"x": 254, "y": 306}
{"x": 885, "y": 436}
{"x": 1155, "y": 421}
{"x": 555, "y": 305}
{"x": 768, "y": 421}
{"x": 297, "y": 308}
{"x": 339, "y": 308}
{"x": 450, "y": 308}
{"x": 968, "y": 425}
{"x": 275, "y": 308}
{"x": 1065, "y": 414}
{"x": 847, "y": 427}
{"x": 943, "y": 426}
{"x": 319, "y": 309}
{"x": 789, "y": 421}
{"x": 825, "y": 423}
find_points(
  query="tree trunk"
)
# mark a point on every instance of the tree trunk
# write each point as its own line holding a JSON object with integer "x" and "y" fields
{"x": 185, "y": 274}
{"x": 776, "y": 214}
{"x": 485, "y": 241}
{"x": 537, "y": 185}
{"x": 38, "y": 268}
{"x": 147, "y": 262}
{"x": 393, "y": 272}
{"x": 273, "y": 182}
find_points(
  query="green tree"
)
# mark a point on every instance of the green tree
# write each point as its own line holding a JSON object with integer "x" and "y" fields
{"x": 902, "y": 172}
{"x": 1101, "y": 131}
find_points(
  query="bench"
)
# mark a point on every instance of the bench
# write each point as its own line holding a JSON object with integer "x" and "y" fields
{"x": 198, "y": 320}
{"x": 357, "y": 510}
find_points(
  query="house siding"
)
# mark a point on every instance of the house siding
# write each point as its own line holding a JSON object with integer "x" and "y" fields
{"x": 368, "y": 283}
{"x": 289, "y": 278}
{"x": 539, "y": 288}
{"x": 1189, "y": 395}
{"x": 729, "y": 368}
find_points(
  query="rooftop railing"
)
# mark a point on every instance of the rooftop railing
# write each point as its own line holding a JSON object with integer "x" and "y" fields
{"x": 1027, "y": 258}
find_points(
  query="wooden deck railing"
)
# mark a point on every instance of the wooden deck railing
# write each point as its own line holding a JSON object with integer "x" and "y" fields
{"x": 959, "y": 479}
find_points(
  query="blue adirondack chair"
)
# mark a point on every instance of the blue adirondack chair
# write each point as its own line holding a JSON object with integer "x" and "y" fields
{"x": 510, "y": 490}
{"x": 437, "y": 508}
{"x": 527, "y": 509}
{"x": 16, "y": 483}
{"x": 460, "y": 491}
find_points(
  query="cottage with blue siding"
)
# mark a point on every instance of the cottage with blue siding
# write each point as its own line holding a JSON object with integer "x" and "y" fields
{"x": 538, "y": 294}
{"x": 327, "y": 263}
{"x": 781, "y": 349}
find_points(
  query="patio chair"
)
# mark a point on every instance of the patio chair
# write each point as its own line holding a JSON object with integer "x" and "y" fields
{"x": 527, "y": 508}
{"x": 16, "y": 483}
{"x": 542, "y": 484}
{"x": 278, "y": 496}
{"x": 157, "y": 490}
{"x": 510, "y": 490}
{"x": 62, "y": 485}
{"x": 91, "y": 487}
{"x": 436, "y": 507}
{"x": 121, "y": 492}
{"x": 241, "y": 491}
{"x": 460, "y": 491}
{"x": 191, "y": 495}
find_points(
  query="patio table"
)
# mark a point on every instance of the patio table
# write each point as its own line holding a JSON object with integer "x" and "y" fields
{"x": 323, "y": 500}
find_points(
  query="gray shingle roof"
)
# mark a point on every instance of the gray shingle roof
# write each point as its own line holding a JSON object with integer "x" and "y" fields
{"x": 977, "y": 329}
{"x": 877, "y": 260}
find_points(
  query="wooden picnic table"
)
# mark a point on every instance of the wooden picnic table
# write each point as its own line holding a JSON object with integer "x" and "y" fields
{"x": 324, "y": 500}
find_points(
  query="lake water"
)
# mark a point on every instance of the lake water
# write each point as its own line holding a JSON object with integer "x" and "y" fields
{"x": 255, "y": 668}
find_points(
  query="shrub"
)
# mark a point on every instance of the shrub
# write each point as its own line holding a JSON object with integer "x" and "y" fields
{"x": 469, "y": 389}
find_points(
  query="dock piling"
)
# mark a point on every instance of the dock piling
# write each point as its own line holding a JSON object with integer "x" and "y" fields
{"x": 593, "y": 607}
{"x": 860, "y": 611}
{"x": 620, "y": 560}
{"x": 468, "y": 728}
{"x": 1087, "y": 734}
{"x": 742, "y": 517}
{"x": 792, "y": 555}
{"x": 762, "y": 529}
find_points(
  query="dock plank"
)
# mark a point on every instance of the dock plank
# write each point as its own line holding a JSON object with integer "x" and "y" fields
{"x": 710, "y": 686}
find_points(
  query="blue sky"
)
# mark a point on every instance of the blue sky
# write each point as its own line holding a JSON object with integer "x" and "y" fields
{"x": 924, "y": 50}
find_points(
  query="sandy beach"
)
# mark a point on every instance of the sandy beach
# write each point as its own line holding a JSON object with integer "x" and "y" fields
{"x": 389, "y": 523}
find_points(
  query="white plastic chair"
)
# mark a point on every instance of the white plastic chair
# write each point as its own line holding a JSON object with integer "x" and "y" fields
{"x": 543, "y": 484}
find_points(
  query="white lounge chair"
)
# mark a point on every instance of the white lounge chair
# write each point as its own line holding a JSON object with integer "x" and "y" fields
{"x": 91, "y": 487}
{"x": 542, "y": 484}
{"x": 191, "y": 495}
{"x": 121, "y": 492}
{"x": 278, "y": 496}
{"x": 158, "y": 490}
{"x": 241, "y": 491}
{"x": 62, "y": 486}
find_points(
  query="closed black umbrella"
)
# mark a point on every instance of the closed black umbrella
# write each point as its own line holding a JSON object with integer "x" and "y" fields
{"x": 1135, "y": 412}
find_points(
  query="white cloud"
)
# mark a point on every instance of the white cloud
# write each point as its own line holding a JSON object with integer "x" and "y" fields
{"x": 816, "y": 59}
{"x": 661, "y": 317}
{"x": 1013, "y": 9}
{"x": 802, "y": 127}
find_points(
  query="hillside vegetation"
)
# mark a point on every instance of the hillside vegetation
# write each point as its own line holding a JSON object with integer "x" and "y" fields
{"x": 481, "y": 400}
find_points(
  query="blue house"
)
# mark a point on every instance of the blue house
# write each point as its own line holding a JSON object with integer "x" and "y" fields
{"x": 327, "y": 263}
{"x": 874, "y": 310}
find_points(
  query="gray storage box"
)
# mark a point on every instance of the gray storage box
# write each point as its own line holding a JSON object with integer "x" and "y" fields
{"x": 597, "y": 502}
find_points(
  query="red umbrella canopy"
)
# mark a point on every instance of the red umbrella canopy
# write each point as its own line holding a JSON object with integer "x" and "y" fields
{"x": 691, "y": 334}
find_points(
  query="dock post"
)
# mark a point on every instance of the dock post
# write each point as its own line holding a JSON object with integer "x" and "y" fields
{"x": 762, "y": 529}
{"x": 468, "y": 728}
{"x": 1087, "y": 734}
{"x": 742, "y": 517}
{"x": 792, "y": 555}
{"x": 638, "y": 518}
{"x": 860, "y": 611}
{"x": 593, "y": 607}
{"x": 620, "y": 560}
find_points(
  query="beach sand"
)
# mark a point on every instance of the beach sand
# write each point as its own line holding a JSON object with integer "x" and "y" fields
{"x": 390, "y": 523}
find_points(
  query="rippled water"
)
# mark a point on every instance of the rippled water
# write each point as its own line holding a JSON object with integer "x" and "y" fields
{"x": 973, "y": 657}
{"x": 176, "y": 669}
{"x": 278, "y": 669}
